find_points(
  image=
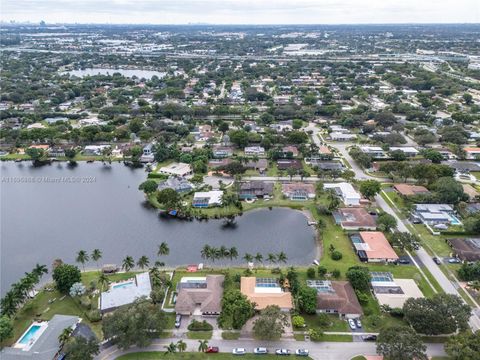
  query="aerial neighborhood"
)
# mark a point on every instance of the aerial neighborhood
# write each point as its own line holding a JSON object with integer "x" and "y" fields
{"x": 306, "y": 186}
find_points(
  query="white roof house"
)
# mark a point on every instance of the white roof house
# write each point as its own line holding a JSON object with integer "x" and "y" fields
{"x": 407, "y": 150}
{"x": 346, "y": 191}
{"x": 177, "y": 169}
{"x": 126, "y": 292}
{"x": 394, "y": 292}
{"x": 339, "y": 136}
{"x": 203, "y": 199}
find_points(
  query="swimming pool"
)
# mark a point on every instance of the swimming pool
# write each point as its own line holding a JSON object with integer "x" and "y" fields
{"x": 454, "y": 220}
{"x": 123, "y": 285}
{"x": 29, "y": 334}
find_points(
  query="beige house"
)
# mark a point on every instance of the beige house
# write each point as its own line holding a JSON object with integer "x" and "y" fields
{"x": 264, "y": 292}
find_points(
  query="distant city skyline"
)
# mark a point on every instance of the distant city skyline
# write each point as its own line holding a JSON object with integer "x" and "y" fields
{"x": 259, "y": 12}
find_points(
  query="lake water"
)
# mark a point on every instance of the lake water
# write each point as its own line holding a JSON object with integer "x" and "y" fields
{"x": 53, "y": 211}
{"x": 139, "y": 73}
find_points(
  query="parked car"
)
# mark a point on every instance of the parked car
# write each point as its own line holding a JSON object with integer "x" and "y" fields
{"x": 239, "y": 351}
{"x": 178, "y": 321}
{"x": 358, "y": 323}
{"x": 403, "y": 261}
{"x": 212, "y": 349}
{"x": 454, "y": 261}
{"x": 282, "y": 352}
{"x": 352, "y": 325}
{"x": 260, "y": 350}
{"x": 301, "y": 352}
{"x": 369, "y": 338}
{"x": 436, "y": 260}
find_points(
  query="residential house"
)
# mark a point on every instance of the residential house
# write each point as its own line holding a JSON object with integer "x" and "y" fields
{"x": 261, "y": 165}
{"x": 375, "y": 152}
{"x": 407, "y": 150}
{"x": 218, "y": 163}
{"x": 178, "y": 184}
{"x": 336, "y": 297}
{"x": 94, "y": 150}
{"x": 254, "y": 151}
{"x": 393, "y": 292}
{"x": 410, "y": 190}
{"x": 373, "y": 246}
{"x": 41, "y": 340}
{"x": 220, "y": 152}
{"x": 285, "y": 164}
{"x": 472, "y": 153}
{"x": 255, "y": 189}
{"x": 147, "y": 155}
{"x": 206, "y": 199}
{"x": 265, "y": 292}
{"x": 125, "y": 292}
{"x": 354, "y": 219}
{"x": 466, "y": 249}
{"x": 471, "y": 192}
{"x": 340, "y": 136}
{"x": 56, "y": 151}
{"x": 346, "y": 192}
{"x": 290, "y": 151}
{"x": 433, "y": 214}
{"x": 176, "y": 169}
{"x": 298, "y": 191}
{"x": 199, "y": 295}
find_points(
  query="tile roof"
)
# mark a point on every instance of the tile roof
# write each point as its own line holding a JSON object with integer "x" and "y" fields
{"x": 342, "y": 299}
{"x": 378, "y": 246}
{"x": 264, "y": 298}
{"x": 208, "y": 298}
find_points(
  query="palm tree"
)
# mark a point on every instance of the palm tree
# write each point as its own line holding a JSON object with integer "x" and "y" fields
{"x": 9, "y": 303}
{"x": 39, "y": 270}
{"x": 159, "y": 264}
{"x": 181, "y": 345}
{"x": 282, "y": 257}
{"x": 143, "y": 262}
{"x": 171, "y": 348}
{"x": 223, "y": 252}
{"x": 82, "y": 258}
{"x": 65, "y": 335}
{"x": 233, "y": 253}
{"x": 103, "y": 281}
{"x": 206, "y": 252}
{"x": 248, "y": 258}
{"x": 202, "y": 345}
{"x": 128, "y": 263}
{"x": 96, "y": 255}
{"x": 259, "y": 258}
{"x": 271, "y": 258}
{"x": 163, "y": 249}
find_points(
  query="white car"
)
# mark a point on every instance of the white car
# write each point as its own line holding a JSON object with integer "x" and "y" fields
{"x": 352, "y": 325}
{"x": 301, "y": 352}
{"x": 358, "y": 323}
{"x": 282, "y": 352}
{"x": 260, "y": 350}
{"x": 239, "y": 351}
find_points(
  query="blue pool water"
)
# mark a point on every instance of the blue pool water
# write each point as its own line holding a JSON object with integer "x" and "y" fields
{"x": 123, "y": 285}
{"x": 29, "y": 334}
{"x": 454, "y": 220}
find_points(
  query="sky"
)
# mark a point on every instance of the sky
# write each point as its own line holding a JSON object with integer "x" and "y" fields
{"x": 242, "y": 11}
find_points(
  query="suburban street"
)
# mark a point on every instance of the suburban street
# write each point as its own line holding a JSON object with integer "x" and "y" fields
{"x": 321, "y": 350}
{"x": 423, "y": 256}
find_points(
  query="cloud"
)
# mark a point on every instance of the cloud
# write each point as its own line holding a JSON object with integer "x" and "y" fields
{"x": 242, "y": 11}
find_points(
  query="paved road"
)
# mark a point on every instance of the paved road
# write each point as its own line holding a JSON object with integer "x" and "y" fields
{"x": 321, "y": 350}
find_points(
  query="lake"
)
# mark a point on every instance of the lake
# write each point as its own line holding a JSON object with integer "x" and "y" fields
{"x": 53, "y": 211}
{"x": 139, "y": 73}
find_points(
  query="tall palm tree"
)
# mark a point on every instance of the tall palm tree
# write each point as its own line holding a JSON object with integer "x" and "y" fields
{"x": 181, "y": 345}
{"x": 65, "y": 335}
{"x": 282, "y": 257}
{"x": 128, "y": 263}
{"x": 202, "y": 345}
{"x": 233, "y": 253}
{"x": 9, "y": 303}
{"x": 259, "y": 258}
{"x": 206, "y": 252}
{"x": 40, "y": 270}
{"x": 82, "y": 258}
{"x": 170, "y": 348}
{"x": 159, "y": 264}
{"x": 143, "y": 262}
{"x": 248, "y": 258}
{"x": 163, "y": 249}
{"x": 103, "y": 281}
{"x": 96, "y": 255}
{"x": 272, "y": 258}
{"x": 223, "y": 252}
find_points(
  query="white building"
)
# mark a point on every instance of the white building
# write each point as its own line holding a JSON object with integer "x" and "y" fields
{"x": 339, "y": 136}
{"x": 205, "y": 199}
{"x": 176, "y": 169}
{"x": 254, "y": 150}
{"x": 349, "y": 195}
{"x": 407, "y": 150}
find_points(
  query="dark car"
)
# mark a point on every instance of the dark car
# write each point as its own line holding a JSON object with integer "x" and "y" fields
{"x": 212, "y": 349}
{"x": 403, "y": 261}
{"x": 369, "y": 338}
{"x": 436, "y": 260}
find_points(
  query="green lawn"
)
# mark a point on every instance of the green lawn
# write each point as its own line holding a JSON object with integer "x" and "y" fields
{"x": 200, "y": 335}
{"x": 336, "y": 324}
{"x": 192, "y": 356}
{"x": 230, "y": 335}
{"x": 336, "y": 338}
